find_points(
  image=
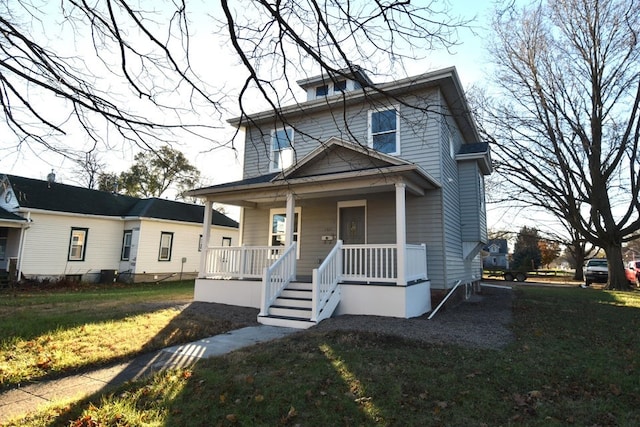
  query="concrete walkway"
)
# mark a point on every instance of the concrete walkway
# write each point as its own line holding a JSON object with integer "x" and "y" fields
{"x": 29, "y": 398}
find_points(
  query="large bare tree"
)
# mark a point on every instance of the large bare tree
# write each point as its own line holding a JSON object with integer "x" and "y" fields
{"x": 127, "y": 71}
{"x": 565, "y": 132}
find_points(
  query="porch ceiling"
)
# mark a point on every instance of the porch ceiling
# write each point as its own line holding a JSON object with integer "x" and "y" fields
{"x": 367, "y": 181}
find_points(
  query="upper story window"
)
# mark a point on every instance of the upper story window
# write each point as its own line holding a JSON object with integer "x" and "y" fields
{"x": 281, "y": 149}
{"x": 340, "y": 86}
{"x": 322, "y": 91}
{"x": 78, "y": 244}
{"x": 384, "y": 134}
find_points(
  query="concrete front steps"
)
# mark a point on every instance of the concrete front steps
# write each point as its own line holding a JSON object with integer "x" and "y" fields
{"x": 292, "y": 309}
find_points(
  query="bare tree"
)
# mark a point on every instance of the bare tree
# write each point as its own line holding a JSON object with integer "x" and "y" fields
{"x": 566, "y": 134}
{"x": 123, "y": 71}
{"x": 89, "y": 169}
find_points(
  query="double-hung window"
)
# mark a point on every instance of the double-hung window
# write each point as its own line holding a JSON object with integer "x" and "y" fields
{"x": 78, "y": 244}
{"x": 281, "y": 149}
{"x": 384, "y": 130}
{"x": 278, "y": 228}
{"x": 126, "y": 245}
{"x": 166, "y": 242}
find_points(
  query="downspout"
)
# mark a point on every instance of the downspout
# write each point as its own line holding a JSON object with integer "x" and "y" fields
{"x": 23, "y": 232}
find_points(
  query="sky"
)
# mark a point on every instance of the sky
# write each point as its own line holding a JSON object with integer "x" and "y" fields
{"x": 223, "y": 165}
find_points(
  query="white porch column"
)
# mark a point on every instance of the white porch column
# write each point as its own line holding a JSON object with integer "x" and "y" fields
{"x": 401, "y": 232}
{"x": 206, "y": 233}
{"x": 291, "y": 218}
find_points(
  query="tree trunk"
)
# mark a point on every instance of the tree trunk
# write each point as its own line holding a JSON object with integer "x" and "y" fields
{"x": 579, "y": 257}
{"x": 617, "y": 278}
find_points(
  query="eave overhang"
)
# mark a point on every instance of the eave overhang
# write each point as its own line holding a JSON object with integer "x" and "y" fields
{"x": 446, "y": 80}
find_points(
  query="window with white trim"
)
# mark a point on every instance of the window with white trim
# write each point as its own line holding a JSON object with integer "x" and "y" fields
{"x": 126, "y": 245}
{"x": 166, "y": 243}
{"x": 278, "y": 227}
{"x": 384, "y": 130}
{"x": 281, "y": 149}
{"x": 78, "y": 244}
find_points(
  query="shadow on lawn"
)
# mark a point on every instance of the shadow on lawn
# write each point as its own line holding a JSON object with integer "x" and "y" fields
{"x": 195, "y": 321}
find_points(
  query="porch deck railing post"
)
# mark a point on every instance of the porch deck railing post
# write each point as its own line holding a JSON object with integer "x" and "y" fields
{"x": 243, "y": 260}
{"x": 401, "y": 233}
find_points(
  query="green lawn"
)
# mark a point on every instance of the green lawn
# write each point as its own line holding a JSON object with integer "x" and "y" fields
{"x": 45, "y": 334}
{"x": 575, "y": 361}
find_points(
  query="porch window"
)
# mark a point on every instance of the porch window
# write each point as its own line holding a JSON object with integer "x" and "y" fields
{"x": 384, "y": 135}
{"x": 278, "y": 227}
{"x": 126, "y": 245}
{"x": 281, "y": 149}
{"x": 166, "y": 242}
{"x": 78, "y": 244}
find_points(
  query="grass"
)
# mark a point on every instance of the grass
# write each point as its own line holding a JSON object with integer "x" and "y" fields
{"x": 575, "y": 361}
{"x": 47, "y": 334}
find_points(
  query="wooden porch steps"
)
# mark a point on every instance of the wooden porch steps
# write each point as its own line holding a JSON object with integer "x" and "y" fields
{"x": 292, "y": 308}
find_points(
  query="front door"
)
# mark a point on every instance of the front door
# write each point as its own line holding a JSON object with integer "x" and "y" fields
{"x": 352, "y": 228}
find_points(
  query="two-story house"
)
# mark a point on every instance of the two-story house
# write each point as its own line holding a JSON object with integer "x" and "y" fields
{"x": 497, "y": 254}
{"x": 364, "y": 199}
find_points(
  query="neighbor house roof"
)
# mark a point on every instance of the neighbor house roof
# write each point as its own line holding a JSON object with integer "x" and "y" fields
{"x": 8, "y": 216}
{"x": 57, "y": 197}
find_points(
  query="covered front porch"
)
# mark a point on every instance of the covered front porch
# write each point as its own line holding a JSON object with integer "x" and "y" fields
{"x": 335, "y": 242}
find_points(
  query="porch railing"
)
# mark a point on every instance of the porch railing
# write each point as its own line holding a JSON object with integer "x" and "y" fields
{"x": 325, "y": 281}
{"x": 240, "y": 262}
{"x": 277, "y": 276}
{"x": 379, "y": 263}
{"x": 416, "y": 264}
{"x": 360, "y": 263}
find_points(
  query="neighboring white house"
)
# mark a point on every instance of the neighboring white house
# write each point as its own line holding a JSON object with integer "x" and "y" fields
{"x": 365, "y": 199}
{"x": 53, "y": 231}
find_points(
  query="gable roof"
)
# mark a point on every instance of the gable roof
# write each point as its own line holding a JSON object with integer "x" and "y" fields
{"x": 326, "y": 164}
{"x": 57, "y": 197}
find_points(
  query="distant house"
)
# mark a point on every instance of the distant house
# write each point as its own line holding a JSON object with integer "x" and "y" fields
{"x": 497, "y": 257}
{"x": 50, "y": 230}
{"x": 357, "y": 201}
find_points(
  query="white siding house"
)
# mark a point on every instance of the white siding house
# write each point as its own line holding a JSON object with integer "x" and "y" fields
{"x": 367, "y": 200}
{"x": 52, "y": 231}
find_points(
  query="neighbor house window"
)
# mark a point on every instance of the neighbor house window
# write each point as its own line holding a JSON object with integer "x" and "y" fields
{"x": 126, "y": 245}
{"x": 340, "y": 86}
{"x": 281, "y": 149}
{"x": 226, "y": 241}
{"x": 322, "y": 91}
{"x": 78, "y": 244}
{"x": 278, "y": 226}
{"x": 166, "y": 241}
{"x": 384, "y": 135}
{"x": 4, "y": 234}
